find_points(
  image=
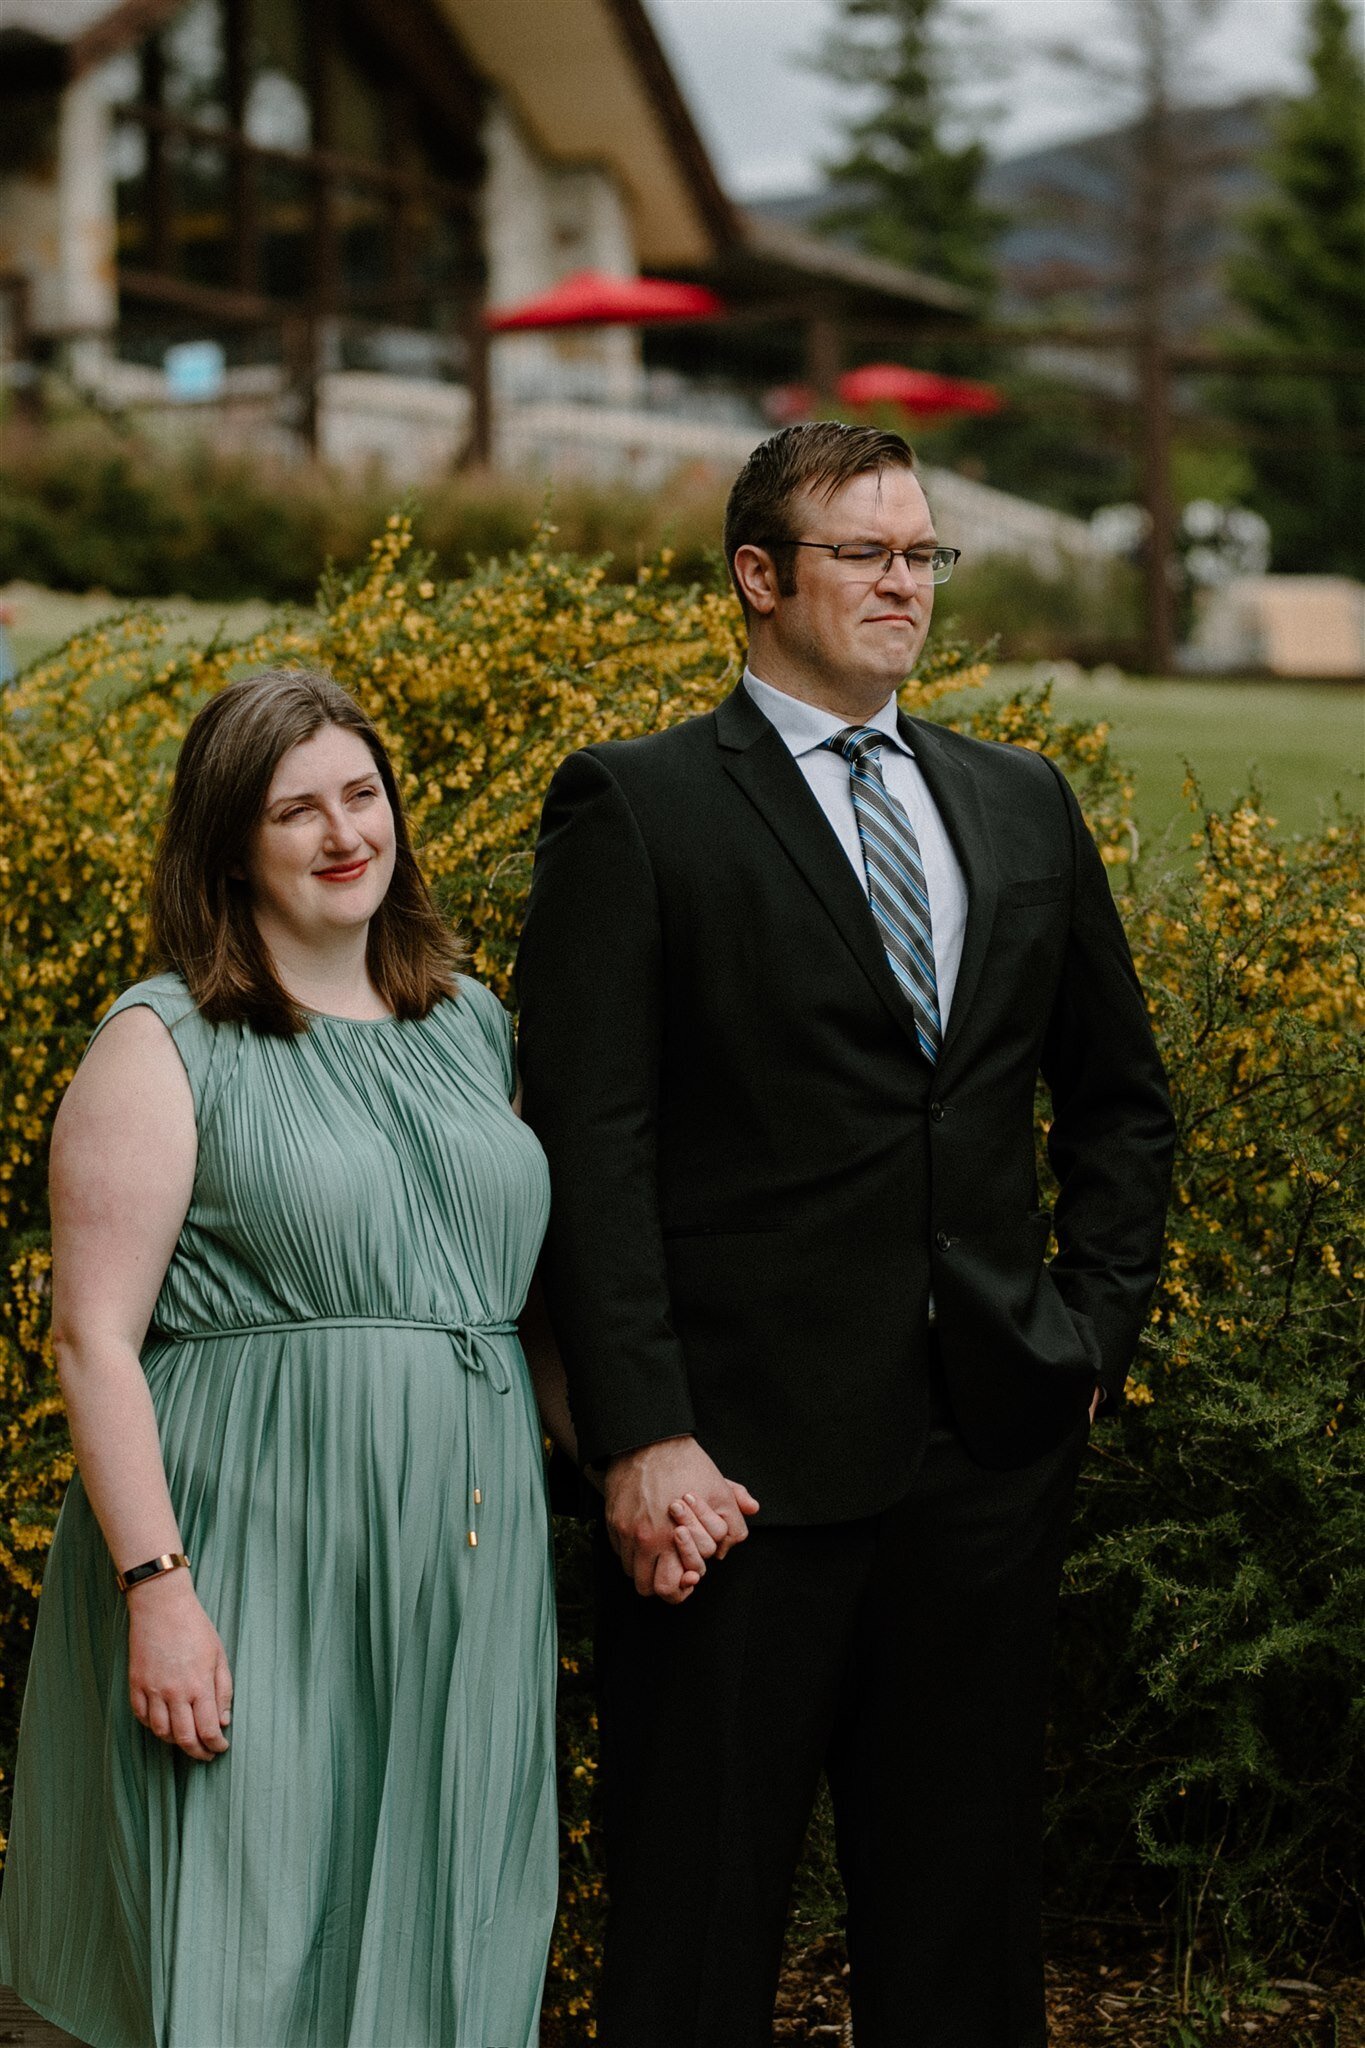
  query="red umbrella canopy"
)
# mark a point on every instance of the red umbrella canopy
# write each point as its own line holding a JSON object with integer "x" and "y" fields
{"x": 919, "y": 391}
{"x": 591, "y": 298}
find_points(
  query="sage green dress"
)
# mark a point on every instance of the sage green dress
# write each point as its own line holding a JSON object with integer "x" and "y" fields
{"x": 336, "y": 1378}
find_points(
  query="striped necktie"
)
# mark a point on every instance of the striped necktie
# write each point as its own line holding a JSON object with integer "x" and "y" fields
{"x": 896, "y": 889}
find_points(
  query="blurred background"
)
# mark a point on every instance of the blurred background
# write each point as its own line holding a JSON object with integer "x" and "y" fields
{"x": 280, "y": 279}
{"x": 267, "y": 264}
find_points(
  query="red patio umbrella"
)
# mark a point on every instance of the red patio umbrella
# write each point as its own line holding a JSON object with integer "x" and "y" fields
{"x": 923, "y": 392}
{"x": 591, "y": 298}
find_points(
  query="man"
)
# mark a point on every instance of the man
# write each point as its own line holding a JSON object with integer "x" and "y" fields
{"x": 788, "y": 976}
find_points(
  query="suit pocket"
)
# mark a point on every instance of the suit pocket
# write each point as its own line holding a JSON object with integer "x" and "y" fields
{"x": 1037, "y": 889}
{"x": 998, "y": 1281}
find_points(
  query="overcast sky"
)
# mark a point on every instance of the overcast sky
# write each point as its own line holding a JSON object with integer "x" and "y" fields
{"x": 768, "y": 122}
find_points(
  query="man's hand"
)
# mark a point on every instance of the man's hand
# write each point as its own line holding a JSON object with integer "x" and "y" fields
{"x": 642, "y": 1488}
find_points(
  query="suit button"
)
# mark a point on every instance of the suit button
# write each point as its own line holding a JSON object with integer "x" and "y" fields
{"x": 942, "y": 1240}
{"x": 936, "y": 1112}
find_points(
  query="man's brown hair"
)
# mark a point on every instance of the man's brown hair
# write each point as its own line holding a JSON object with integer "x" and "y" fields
{"x": 820, "y": 456}
{"x": 201, "y": 921}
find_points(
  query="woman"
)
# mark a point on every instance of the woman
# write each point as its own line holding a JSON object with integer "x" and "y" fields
{"x": 293, "y": 1787}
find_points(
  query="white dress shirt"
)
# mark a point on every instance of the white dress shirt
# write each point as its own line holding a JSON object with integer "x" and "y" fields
{"x": 805, "y": 728}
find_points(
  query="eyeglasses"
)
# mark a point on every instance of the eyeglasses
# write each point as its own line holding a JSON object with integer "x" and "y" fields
{"x": 926, "y": 565}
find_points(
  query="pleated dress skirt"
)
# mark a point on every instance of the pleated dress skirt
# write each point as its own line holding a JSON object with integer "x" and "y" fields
{"x": 355, "y": 1459}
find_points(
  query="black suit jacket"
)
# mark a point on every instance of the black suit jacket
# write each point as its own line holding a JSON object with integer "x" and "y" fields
{"x": 757, "y": 1178}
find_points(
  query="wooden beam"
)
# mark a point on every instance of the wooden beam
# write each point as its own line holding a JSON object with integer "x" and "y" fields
{"x": 232, "y": 308}
{"x": 822, "y": 350}
{"x": 1181, "y": 355}
{"x": 437, "y": 69}
{"x": 114, "y": 31}
{"x": 332, "y": 163}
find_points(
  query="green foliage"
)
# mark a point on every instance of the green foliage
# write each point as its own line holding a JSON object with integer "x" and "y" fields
{"x": 86, "y": 505}
{"x": 1300, "y": 278}
{"x": 1211, "y": 1710}
{"x": 908, "y": 194}
{"x": 1081, "y": 611}
{"x": 1050, "y": 442}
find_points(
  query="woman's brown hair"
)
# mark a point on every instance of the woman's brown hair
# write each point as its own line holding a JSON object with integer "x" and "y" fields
{"x": 201, "y": 922}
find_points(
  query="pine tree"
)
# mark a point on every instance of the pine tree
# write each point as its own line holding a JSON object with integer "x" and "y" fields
{"x": 1300, "y": 277}
{"x": 907, "y": 193}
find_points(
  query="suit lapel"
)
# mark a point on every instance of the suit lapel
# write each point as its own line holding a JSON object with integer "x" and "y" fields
{"x": 755, "y": 755}
{"x": 954, "y": 790}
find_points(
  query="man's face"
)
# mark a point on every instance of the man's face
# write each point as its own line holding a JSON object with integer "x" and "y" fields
{"x": 848, "y": 621}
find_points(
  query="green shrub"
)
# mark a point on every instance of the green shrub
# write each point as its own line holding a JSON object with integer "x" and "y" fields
{"x": 1211, "y": 1712}
{"x": 83, "y": 505}
{"x": 1084, "y": 611}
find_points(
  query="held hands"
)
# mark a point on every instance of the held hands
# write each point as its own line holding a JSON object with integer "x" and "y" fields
{"x": 670, "y": 1509}
{"x": 178, "y": 1677}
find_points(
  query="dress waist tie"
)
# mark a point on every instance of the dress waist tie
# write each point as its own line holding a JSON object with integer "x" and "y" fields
{"x": 469, "y": 1341}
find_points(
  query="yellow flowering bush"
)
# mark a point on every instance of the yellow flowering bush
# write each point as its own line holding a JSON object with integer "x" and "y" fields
{"x": 1212, "y": 1706}
{"x": 480, "y": 685}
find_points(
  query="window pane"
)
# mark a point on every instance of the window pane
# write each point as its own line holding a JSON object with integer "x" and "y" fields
{"x": 365, "y": 224}
{"x": 200, "y": 211}
{"x": 196, "y": 62}
{"x": 440, "y": 261}
{"x": 128, "y": 171}
{"x": 285, "y": 211}
{"x": 359, "y": 118}
{"x": 278, "y": 111}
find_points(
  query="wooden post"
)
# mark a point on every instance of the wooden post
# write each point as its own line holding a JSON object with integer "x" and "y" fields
{"x": 1158, "y": 552}
{"x": 479, "y": 449}
{"x": 299, "y": 335}
{"x": 1155, "y": 195}
{"x": 822, "y": 353}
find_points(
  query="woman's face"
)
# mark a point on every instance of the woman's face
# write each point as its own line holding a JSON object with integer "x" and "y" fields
{"x": 321, "y": 857}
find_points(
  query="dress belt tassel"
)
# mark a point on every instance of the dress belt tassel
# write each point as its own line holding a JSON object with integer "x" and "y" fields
{"x": 465, "y": 1339}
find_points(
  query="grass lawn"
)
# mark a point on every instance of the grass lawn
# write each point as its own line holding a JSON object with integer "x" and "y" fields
{"x": 44, "y": 619}
{"x": 1304, "y": 743}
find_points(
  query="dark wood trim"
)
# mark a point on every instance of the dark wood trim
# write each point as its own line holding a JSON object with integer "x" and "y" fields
{"x": 434, "y": 61}
{"x": 237, "y": 309}
{"x": 1180, "y": 355}
{"x": 479, "y": 449}
{"x": 241, "y": 170}
{"x": 158, "y": 171}
{"x": 18, "y": 289}
{"x": 328, "y": 163}
{"x": 719, "y": 216}
{"x": 324, "y": 281}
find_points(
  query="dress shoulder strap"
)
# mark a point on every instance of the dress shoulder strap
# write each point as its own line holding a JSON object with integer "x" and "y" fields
{"x": 208, "y": 1052}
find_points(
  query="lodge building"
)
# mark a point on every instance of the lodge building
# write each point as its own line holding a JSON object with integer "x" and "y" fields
{"x": 332, "y": 192}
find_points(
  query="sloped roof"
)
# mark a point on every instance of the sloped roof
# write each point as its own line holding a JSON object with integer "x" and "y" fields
{"x": 774, "y": 255}
{"x": 591, "y": 83}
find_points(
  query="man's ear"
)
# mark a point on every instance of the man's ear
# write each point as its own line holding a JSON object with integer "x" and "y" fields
{"x": 756, "y": 575}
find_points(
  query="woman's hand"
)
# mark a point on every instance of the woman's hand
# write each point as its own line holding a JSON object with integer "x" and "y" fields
{"x": 178, "y": 1677}
{"x": 698, "y": 1534}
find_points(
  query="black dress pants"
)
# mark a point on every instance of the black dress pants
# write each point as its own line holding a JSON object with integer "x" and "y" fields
{"x": 907, "y": 1656}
